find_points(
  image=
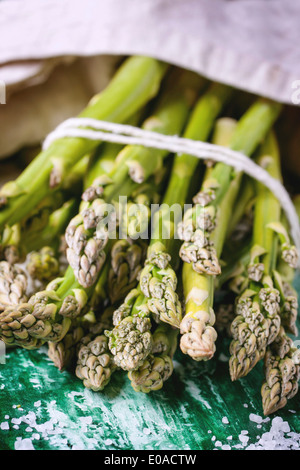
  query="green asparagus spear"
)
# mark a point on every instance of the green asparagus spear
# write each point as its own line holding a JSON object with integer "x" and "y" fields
{"x": 95, "y": 364}
{"x": 158, "y": 367}
{"x": 13, "y": 285}
{"x": 84, "y": 328}
{"x": 282, "y": 372}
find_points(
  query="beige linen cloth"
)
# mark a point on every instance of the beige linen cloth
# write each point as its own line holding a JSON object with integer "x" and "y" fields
{"x": 55, "y": 54}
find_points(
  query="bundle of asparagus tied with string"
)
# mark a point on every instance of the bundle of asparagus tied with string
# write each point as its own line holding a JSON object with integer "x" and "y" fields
{"x": 118, "y": 257}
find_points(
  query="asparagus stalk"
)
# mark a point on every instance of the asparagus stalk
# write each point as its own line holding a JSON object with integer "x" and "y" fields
{"x": 87, "y": 235}
{"x": 130, "y": 341}
{"x": 282, "y": 372}
{"x": 63, "y": 352}
{"x": 13, "y": 285}
{"x": 95, "y": 364}
{"x": 241, "y": 221}
{"x": 48, "y": 314}
{"x": 198, "y": 334}
{"x": 52, "y": 234}
{"x": 258, "y": 307}
{"x": 127, "y": 259}
{"x": 158, "y": 367}
{"x": 83, "y": 329}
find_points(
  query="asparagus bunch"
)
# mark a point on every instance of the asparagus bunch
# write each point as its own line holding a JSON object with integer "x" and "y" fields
{"x": 130, "y": 341}
{"x": 204, "y": 230}
{"x": 259, "y": 306}
{"x": 117, "y": 304}
{"x": 87, "y": 233}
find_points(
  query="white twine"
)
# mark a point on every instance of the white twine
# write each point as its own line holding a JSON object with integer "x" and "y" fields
{"x": 94, "y": 129}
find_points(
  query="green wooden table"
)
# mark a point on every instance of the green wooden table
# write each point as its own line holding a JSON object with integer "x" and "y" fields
{"x": 199, "y": 408}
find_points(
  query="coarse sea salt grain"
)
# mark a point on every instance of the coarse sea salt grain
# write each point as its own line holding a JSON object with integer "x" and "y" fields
{"x": 255, "y": 418}
{"x": 244, "y": 439}
{"x": 23, "y": 444}
{"x": 226, "y": 447}
{"x": 4, "y": 426}
{"x": 225, "y": 420}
